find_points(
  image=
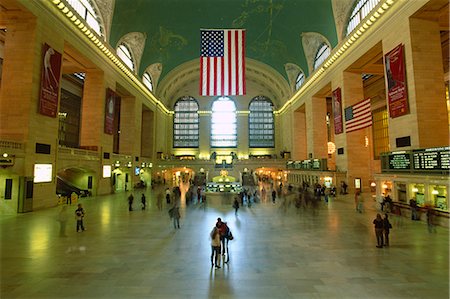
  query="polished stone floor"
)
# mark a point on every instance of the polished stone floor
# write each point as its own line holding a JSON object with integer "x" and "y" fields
{"x": 276, "y": 253}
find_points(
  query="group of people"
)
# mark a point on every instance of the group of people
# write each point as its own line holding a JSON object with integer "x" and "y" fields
{"x": 220, "y": 235}
{"x": 382, "y": 229}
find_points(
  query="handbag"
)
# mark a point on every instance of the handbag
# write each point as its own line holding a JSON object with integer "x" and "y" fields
{"x": 230, "y": 236}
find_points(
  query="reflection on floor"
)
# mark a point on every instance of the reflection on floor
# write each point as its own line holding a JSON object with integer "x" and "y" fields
{"x": 275, "y": 254}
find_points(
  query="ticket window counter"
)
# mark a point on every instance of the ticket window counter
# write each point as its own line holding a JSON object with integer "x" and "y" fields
{"x": 401, "y": 193}
{"x": 439, "y": 197}
{"x": 417, "y": 192}
{"x": 386, "y": 188}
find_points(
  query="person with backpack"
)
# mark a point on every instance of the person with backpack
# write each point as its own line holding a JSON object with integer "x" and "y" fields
{"x": 215, "y": 247}
{"x": 223, "y": 230}
{"x": 386, "y": 226}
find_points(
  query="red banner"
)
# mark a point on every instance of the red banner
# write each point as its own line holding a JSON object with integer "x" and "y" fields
{"x": 337, "y": 111}
{"x": 50, "y": 77}
{"x": 110, "y": 104}
{"x": 394, "y": 63}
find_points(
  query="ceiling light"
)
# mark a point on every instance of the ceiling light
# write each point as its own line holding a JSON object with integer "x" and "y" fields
{"x": 61, "y": 5}
{"x": 56, "y": 1}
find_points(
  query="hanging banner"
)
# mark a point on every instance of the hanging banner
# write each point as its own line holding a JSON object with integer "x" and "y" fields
{"x": 110, "y": 104}
{"x": 50, "y": 77}
{"x": 394, "y": 63}
{"x": 337, "y": 111}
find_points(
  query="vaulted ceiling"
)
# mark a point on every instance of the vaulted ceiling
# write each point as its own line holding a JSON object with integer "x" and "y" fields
{"x": 172, "y": 28}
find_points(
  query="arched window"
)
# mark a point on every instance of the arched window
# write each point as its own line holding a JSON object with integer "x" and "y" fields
{"x": 260, "y": 123}
{"x": 124, "y": 53}
{"x": 185, "y": 123}
{"x": 86, "y": 10}
{"x": 147, "y": 80}
{"x": 360, "y": 11}
{"x": 300, "y": 80}
{"x": 322, "y": 53}
{"x": 223, "y": 123}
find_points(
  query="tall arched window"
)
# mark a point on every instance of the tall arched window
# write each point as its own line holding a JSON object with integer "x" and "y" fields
{"x": 300, "y": 80}
{"x": 185, "y": 123}
{"x": 86, "y": 10}
{"x": 260, "y": 123}
{"x": 360, "y": 11}
{"x": 124, "y": 53}
{"x": 322, "y": 53}
{"x": 147, "y": 80}
{"x": 223, "y": 123}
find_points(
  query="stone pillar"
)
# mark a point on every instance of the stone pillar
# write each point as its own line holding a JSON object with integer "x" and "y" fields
{"x": 147, "y": 133}
{"x": 20, "y": 70}
{"x": 93, "y": 110}
{"x": 299, "y": 135}
{"x": 356, "y": 151}
{"x": 130, "y": 125}
{"x": 316, "y": 123}
{"x": 427, "y": 100}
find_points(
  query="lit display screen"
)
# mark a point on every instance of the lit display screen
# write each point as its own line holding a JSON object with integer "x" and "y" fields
{"x": 43, "y": 173}
{"x": 106, "y": 171}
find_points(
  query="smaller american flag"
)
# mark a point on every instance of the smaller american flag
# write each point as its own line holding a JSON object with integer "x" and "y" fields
{"x": 358, "y": 116}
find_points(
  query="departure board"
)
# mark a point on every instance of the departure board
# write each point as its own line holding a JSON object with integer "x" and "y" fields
{"x": 400, "y": 161}
{"x": 432, "y": 159}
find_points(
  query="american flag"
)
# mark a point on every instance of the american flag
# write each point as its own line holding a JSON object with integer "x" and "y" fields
{"x": 358, "y": 116}
{"x": 222, "y": 62}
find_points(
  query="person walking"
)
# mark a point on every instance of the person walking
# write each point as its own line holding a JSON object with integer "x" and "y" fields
{"x": 236, "y": 206}
{"x": 62, "y": 219}
{"x": 159, "y": 201}
{"x": 215, "y": 247}
{"x": 379, "y": 227}
{"x": 79, "y": 216}
{"x": 430, "y": 220}
{"x": 223, "y": 230}
{"x": 130, "y": 202}
{"x": 167, "y": 195}
{"x": 274, "y": 196}
{"x": 359, "y": 201}
{"x": 386, "y": 226}
{"x": 143, "y": 201}
{"x": 174, "y": 213}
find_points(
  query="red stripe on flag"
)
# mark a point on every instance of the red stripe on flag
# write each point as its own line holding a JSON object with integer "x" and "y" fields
{"x": 229, "y": 64}
{"x": 208, "y": 79}
{"x": 215, "y": 74}
{"x": 243, "y": 62}
{"x": 201, "y": 76}
{"x": 236, "y": 57}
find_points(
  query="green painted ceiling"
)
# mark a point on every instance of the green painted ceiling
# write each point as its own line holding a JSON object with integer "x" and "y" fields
{"x": 273, "y": 27}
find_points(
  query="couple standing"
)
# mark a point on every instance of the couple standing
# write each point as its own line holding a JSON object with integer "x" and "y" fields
{"x": 220, "y": 235}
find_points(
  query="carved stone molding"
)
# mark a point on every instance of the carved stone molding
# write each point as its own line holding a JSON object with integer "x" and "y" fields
{"x": 136, "y": 42}
{"x": 311, "y": 42}
{"x": 154, "y": 70}
{"x": 106, "y": 10}
{"x": 341, "y": 11}
{"x": 292, "y": 71}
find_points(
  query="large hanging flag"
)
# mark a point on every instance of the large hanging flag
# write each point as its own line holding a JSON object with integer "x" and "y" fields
{"x": 358, "y": 116}
{"x": 222, "y": 62}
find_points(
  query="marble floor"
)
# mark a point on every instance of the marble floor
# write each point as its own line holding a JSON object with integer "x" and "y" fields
{"x": 276, "y": 253}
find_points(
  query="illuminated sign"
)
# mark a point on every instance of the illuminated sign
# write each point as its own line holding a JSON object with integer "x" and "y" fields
{"x": 106, "y": 171}
{"x": 43, "y": 173}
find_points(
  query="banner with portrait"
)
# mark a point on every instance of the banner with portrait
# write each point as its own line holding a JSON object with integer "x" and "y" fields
{"x": 394, "y": 63}
{"x": 50, "y": 78}
{"x": 110, "y": 104}
{"x": 337, "y": 111}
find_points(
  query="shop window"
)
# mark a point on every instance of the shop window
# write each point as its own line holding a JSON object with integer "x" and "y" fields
{"x": 322, "y": 53}
{"x": 186, "y": 123}
{"x": 86, "y": 10}
{"x": 360, "y": 10}
{"x": 380, "y": 130}
{"x": 261, "y": 123}
{"x": 124, "y": 53}
{"x": 439, "y": 197}
{"x": 223, "y": 123}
